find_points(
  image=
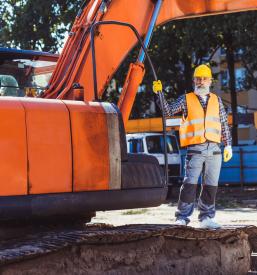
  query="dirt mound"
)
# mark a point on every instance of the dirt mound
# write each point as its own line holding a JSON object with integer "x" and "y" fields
{"x": 162, "y": 252}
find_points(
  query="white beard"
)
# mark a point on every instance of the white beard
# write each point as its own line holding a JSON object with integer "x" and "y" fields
{"x": 202, "y": 90}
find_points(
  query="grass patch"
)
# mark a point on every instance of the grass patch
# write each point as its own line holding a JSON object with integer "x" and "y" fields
{"x": 135, "y": 212}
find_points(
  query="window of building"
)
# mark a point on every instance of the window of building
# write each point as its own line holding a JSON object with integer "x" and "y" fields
{"x": 238, "y": 52}
{"x": 240, "y": 75}
{"x": 224, "y": 79}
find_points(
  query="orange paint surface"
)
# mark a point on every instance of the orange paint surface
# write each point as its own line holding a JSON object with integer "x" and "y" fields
{"x": 13, "y": 156}
{"x": 49, "y": 146}
{"x": 132, "y": 82}
{"x": 36, "y": 146}
{"x": 90, "y": 146}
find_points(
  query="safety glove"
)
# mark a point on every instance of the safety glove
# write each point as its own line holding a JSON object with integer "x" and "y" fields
{"x": 157, "y": 86}
{"x": 227, "y": 154}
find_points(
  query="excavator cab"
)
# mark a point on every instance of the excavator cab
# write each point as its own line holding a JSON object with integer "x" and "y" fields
{"x": 65, "y": 158}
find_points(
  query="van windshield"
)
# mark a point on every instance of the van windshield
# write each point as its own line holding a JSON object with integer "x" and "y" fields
{"x": 155, "y": 144}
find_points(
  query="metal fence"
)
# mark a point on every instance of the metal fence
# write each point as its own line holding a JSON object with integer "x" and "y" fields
{"x": 241, "y": 170}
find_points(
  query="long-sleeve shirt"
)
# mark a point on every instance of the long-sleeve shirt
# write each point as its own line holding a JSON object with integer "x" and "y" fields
{"x": 180, "y": 105}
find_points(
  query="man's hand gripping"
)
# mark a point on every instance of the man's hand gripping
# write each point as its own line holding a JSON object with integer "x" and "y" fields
{"x": 227, "y": 154}
{"x": 157, "y": 86}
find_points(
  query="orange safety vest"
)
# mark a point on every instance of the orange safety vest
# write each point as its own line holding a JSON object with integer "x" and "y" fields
{"x": 200, "y": 125}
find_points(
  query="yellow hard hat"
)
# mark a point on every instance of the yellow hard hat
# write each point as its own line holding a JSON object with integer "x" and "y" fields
{"x": 202, "y": 71}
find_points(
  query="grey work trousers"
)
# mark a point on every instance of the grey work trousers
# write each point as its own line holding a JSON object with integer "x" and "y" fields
{"x": 206, "y": 158}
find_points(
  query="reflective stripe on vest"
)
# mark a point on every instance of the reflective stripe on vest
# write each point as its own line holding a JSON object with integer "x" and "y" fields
{"x": 200, "y": 126}
{"x": 200, "y": 133}
{"x": 201, "y": 120}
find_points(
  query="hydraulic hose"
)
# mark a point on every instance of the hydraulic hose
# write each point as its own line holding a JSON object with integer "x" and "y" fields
{"x": 92, "y": 31}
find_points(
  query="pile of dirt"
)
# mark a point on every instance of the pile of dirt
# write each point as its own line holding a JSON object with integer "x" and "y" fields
{"x": 158, "y": 254}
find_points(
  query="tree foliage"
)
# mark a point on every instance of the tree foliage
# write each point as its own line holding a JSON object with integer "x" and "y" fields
{"x": 35, "y": 24}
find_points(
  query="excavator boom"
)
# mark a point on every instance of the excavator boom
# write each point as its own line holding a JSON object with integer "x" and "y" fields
{"x": 112, "y": 43}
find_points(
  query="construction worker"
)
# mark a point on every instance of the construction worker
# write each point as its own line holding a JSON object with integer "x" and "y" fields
{"x": 204, "y": 125}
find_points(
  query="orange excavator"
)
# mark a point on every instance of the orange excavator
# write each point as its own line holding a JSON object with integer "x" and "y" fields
{"x": 64, "y": 155}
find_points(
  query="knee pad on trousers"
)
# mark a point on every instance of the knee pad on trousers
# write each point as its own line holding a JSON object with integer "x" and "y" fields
{"x": 208, "y": 194}
{"x": 188, "y": 192}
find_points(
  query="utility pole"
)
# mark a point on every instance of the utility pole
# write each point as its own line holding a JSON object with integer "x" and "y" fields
{"x": 232, "y": 86}
{"x": 188, "y": 73}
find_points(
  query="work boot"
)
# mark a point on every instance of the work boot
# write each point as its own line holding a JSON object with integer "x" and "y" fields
{"x": 209, "y": 223}
{"x": 180, "y": 222}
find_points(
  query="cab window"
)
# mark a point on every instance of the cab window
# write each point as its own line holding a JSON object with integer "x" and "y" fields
{"x": 136, "y": 146}
{"x": 25, "y": 77}
{"x": 155, "y": 144}
{"x": 8, "y": 85}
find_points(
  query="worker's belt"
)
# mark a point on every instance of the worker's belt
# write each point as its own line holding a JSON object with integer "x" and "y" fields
{"x": 216, "y": 153}
{"x": 200, "y": 152}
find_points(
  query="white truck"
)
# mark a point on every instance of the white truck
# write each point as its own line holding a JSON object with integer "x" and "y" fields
{"x": 152, "y": 144}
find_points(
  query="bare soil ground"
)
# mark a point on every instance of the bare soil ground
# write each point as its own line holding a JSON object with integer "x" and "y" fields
{"x": 235, "y": 206}
{"x": 152, "y": 256}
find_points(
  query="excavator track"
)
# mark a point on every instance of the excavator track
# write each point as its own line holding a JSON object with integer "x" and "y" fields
{"x": 52, "y": 239}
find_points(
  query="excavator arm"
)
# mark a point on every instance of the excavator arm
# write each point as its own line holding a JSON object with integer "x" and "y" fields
{"x": 112, "y": 43}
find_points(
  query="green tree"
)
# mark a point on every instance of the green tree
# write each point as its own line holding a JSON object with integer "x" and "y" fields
{"x": 234, "y": 33}
{"x": 35, "y": 24}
